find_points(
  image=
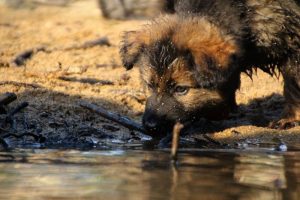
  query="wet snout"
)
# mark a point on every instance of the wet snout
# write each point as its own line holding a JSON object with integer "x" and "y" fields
{"x": 157, "y": 118}
{"x": 155, "y": 124}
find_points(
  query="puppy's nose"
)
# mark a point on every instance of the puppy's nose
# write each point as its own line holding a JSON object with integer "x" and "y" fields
{"x": 150, "y": 124}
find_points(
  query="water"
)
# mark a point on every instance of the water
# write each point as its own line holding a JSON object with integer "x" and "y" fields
{"x": 135, "y": 174}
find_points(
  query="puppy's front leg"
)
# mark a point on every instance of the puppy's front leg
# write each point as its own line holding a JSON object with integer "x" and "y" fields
{"x": 291, "y": 113}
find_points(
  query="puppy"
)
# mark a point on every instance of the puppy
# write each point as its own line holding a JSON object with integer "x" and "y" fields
{"x": 191, "y": 61}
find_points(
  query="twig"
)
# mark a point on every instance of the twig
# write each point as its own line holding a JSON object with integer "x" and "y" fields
{"x": 176, "y": 131}
{"x": 52, "y": 3}
{"x": 36, "y": 137}
{"x": 7, "y": 98}
{"x": 91, "y": 81}
{"x": 100, "y": 41}
{"x": 25, "y": 55}
{"x": 17, "y": 109}
{"x": 9, "y": 117}
{"x": 165, "y": 141}
{"x": 122, "y": 120}
{"x": 212, "y": 140}
{"x": 19, "y": 84}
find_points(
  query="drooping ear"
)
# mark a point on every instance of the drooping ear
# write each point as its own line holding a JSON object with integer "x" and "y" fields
{"x": 132, "y": 47}
{"x": 134, "y": 42}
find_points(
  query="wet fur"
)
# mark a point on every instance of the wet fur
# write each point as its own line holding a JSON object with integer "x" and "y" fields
{"x": 205, "y": 45}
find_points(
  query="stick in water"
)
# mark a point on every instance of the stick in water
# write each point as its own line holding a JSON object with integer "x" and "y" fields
{"x": 176, "y": 132}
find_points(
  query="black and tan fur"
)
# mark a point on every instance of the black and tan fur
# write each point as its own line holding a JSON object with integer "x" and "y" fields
{"x": 192, "y": 60}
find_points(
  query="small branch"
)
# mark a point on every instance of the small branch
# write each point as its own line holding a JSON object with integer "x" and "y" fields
{"x": 19, "y": 84}
{"x": 22, "y": 57}
{"x": 165, "y": 141}
{"x": 52, "y": 3}
{"x": 102, "y": 41}
{"x": 25, "y": 55}
{"x": 175, "y": 140}
{"x": 17, "y": 109}
{"x": 91, "y": 81}
{"x": 212, "y": 140}
{"x": 7, "y": 98}
{"x": 36, "y": 137}
{"x": 122, "y": 120}
{"x": 9, "y": 117}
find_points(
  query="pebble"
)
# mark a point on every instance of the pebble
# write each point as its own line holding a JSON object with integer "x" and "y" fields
{"x": 282, "y": 147}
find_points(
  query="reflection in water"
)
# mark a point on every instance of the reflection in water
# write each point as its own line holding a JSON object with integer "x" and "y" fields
{"x": 264, "y": 172}
{"x": 261, "y": 170}
{"x": 42, "y": 174}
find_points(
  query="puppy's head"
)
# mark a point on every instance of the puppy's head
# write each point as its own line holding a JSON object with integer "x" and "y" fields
{"x": 189, "y": 68}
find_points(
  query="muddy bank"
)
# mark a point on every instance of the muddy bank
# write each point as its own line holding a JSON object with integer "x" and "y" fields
{"x": 54, "y": 79}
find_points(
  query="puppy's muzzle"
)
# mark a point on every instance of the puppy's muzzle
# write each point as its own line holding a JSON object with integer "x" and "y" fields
{"x": 156, "y": 125}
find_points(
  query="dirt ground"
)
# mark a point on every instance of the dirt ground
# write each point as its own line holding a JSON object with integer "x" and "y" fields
{"x": 55, "y": 80}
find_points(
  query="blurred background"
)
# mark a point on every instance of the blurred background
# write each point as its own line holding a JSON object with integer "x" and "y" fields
{"x": 115, "y": 9}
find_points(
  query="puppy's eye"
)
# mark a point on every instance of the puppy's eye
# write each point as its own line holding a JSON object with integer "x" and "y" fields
{"x": 151, "y": 86}
{"x": 181, "y": 90}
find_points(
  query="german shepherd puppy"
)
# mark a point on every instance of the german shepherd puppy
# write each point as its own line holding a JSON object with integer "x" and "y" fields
{"x": 191, "y": 60}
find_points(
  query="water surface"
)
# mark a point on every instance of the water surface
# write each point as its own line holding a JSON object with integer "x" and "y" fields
{"x": 135, "y": 174}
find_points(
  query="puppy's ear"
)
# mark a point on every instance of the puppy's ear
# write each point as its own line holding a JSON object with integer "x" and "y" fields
{"x": 132, "y": 47}
{"x": 204, "y": 39}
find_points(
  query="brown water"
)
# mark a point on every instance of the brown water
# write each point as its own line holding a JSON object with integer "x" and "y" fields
{"x": 134, "y": 174}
